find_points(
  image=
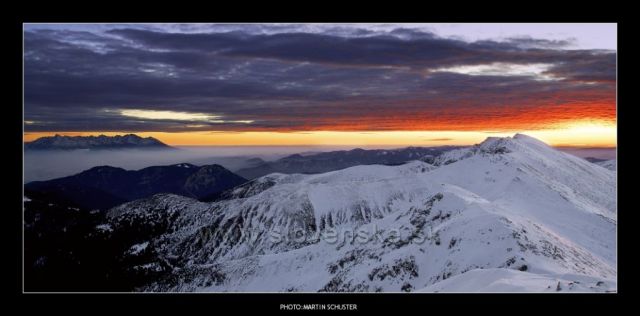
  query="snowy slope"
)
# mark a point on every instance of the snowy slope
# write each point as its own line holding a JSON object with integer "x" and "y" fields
{"x": 514, "y": 206}
{"x": 508, "y": 281}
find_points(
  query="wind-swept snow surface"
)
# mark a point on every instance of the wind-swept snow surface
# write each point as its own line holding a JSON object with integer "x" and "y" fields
{"x": 507, "y": 281}
{"x": 509, "y": 214}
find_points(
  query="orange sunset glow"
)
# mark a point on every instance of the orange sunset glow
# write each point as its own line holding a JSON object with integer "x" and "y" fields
{"x": 578, "y": 134}
{"x": 413, "y": 89}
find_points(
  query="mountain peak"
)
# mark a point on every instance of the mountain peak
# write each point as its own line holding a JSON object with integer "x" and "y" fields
{"x": 508, "y": 144}
{"x": 496, "y": 145}
{"x": 522, "y": 136}
{"x": 519, "y": 143}
{"x": 529, "y": 139}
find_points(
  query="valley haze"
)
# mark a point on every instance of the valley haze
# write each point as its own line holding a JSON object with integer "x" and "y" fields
{"x": 50, "y": 164}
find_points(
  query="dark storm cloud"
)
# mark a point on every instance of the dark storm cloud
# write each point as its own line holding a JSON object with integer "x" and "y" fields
{"x": 529, "y": 42}
{"x": 402, "y": 47}
{"x": 599, "y": 67}
{"x": 407, "y": 48}
{"x": 81, "y": 80}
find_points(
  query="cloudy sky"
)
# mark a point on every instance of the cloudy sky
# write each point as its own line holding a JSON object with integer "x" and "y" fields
{"x": 274, "y": 84}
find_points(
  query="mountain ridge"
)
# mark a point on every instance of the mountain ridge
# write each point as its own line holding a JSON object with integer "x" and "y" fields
{"x": 109, "y": 186}
{"x": 335, "y": 160}
{"x": 128, "y": 141}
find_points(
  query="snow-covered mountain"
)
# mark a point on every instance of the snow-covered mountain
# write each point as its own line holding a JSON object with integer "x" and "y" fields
{"x": 59, "y": 142}
{"x": 509, "y": 214}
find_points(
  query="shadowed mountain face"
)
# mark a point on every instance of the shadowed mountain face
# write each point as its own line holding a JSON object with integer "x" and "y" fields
{"x": 104, "y": 187}
{"x": 128, "y": 141}
{"x": 336, "y": 160}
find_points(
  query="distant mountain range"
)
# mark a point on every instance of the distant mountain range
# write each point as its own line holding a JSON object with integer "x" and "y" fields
{"x": 104, "y": 186}
{"x": 609, "y": 164}
{"x": 336, "y": 160}
{"x": 595, "y": 160}
{"x": 128, "y": 141}
{"x": 606, "y": 163}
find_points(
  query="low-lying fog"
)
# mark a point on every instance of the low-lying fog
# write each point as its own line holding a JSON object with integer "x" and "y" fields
{"x": 50, "y": 164}
{"x": 45, "y": 165}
